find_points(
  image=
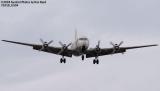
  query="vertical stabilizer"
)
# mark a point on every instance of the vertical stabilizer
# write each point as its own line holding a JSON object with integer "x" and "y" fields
{"x": 76, "y": 36}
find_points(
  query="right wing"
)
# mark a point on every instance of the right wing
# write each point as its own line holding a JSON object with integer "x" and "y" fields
{"x": 49, "y": 49}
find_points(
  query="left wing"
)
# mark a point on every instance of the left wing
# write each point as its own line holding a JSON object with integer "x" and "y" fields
{"x": 108, "y": 51}
{"x": 49, "y": 49}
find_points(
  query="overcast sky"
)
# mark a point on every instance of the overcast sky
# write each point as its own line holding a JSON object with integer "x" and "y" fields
{"x": 136, "y": 22}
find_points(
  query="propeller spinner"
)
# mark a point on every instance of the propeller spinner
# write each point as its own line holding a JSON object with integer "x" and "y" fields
{"x": 45, "y": 44}
{"x": 64, "y": 47}
{"x": 116, "y": 46}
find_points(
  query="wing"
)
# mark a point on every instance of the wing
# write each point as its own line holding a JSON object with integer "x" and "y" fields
{"x": 110, "y": 51}
{"x": 49, "y": 49}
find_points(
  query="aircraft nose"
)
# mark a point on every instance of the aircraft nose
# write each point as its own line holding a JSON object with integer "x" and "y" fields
{"x": 85, "y": 42}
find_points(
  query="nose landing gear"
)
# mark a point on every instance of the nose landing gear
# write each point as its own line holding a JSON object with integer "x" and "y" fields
{"x": 82, "y": 57}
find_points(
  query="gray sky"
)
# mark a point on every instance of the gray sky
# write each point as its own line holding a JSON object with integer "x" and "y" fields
{"x": 136, "y": 22}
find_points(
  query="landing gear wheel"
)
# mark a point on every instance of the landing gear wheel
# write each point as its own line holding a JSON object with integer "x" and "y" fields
{"x": 62, "y": 60}
{"x": 82, "y": 57}
{"x": 95, "y": 61}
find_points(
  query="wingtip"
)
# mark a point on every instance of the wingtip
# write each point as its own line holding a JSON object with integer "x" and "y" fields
{"x": 155, "y": 45}
{"x": 4, "y": 40}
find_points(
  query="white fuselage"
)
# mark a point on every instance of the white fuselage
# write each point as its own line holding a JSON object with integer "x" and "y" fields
{"x": 80, "y": 46}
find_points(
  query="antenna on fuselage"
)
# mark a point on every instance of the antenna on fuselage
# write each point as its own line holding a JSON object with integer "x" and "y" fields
{"x": 76, "y": 36}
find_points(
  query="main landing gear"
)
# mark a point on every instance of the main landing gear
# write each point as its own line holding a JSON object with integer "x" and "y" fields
{"x": 63, "y": 60}
{"x": 82, "y": 57}
{"x": 96, "y": 61}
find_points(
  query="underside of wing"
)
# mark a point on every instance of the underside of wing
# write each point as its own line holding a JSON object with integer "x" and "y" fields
{"x": 49, "y": 49}
{"x": 102, "y": 52}
{"x": 109, "y": 51}
{"x": 54, "y": 50}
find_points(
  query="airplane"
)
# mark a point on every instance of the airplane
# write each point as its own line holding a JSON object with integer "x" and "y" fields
{"x": 80, "y": 47}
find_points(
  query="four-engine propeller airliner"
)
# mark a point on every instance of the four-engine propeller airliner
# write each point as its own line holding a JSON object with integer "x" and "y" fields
{"x": 80, "y": 47}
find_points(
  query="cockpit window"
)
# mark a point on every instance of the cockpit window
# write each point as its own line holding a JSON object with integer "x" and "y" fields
{"x": 83, "y": 39}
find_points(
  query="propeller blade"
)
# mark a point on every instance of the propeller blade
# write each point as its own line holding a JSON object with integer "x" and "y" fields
{"x": 42, "y": 41}
{"x": 61, "y": 43}
{"x": 99, "y": 43}
{"x": 68, "y": 45}
{"x": 120, "y": 43}
{"x": 50, "y": 42}
{"x": 112, "y": 43}
{"x": 64, "y": 47}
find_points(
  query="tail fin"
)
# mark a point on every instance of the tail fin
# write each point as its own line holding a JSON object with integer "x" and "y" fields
{"x": 76, "y": 36}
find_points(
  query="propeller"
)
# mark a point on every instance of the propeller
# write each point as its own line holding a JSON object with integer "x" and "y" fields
{"x": 64, "y": 47}
{"x": 45, "y": 44}
{"x": 116, "y": 46}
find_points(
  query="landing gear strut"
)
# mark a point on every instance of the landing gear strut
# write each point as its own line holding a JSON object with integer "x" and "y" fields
{"x": 63, "y": 60}
{"x": 82, "y": 57}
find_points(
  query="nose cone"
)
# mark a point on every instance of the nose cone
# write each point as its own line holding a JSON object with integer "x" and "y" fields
{"x": 84, "y": 46}
{"x": 83, "y": 43}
